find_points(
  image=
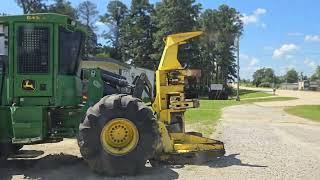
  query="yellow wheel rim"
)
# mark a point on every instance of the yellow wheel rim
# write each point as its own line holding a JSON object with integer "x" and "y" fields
{"x": 119, "y": 136}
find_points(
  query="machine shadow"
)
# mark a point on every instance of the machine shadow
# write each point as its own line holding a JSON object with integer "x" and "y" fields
{"x": 230, "y": 160}
{"x": 218, "y": 162}
{"x": 65, "y": 166}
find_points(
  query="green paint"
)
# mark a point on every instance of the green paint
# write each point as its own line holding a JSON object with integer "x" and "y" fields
{"x": 50, "y": 106}
{"x": 27, "y": 123}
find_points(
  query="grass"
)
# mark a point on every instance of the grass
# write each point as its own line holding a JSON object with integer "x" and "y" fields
{"x": 244, "y": 93}
{"x": 204, "y": 118}
{"x": 311, "y": 112}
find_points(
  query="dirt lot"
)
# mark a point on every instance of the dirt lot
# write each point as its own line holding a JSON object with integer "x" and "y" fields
{"x": 262, "y": 142}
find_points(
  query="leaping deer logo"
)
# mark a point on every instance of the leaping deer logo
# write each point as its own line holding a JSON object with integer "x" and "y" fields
{"x": 28, "y": 85}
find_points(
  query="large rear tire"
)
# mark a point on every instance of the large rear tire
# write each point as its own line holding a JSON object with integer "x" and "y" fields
{"x": 16, "y": 147}
{"x": 5, "y": 150}
{"x": 118, "y": 135}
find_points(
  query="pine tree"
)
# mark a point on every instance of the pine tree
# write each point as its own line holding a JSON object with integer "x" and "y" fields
{"x": 137, "y": 35}
{"x": 87, "y": 12}
{"x": 222, "y": 27}
{"x": 116, "y": 13}
{"x": 32, "y": 6}
{"x": 177, "y": 16}
{"x": 63, "y": 7}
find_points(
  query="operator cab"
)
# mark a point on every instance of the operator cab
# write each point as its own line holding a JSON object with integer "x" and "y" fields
{"x": 39, "y": 60}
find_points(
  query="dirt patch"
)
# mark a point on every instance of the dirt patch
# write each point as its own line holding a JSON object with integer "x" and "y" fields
{"x": 53, "y": 164}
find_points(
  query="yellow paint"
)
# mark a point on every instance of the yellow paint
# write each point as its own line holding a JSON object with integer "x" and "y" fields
{"x": 169, "y": 59}
{"x": 169, "y": 62}
{"x": 166, "y": 141}
{"x": 33, "y": 18}
{"x": 119, "y": 136}
{"x": 170, "y": 99}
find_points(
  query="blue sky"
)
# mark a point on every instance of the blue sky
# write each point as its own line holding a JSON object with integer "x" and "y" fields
{"x": 278, "y": 34}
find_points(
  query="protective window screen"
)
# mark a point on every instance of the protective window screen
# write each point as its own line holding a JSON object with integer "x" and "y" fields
{"x": 3, "y": 47}
{"x": 69, "y": 50}
{"x": 33, "y": 50}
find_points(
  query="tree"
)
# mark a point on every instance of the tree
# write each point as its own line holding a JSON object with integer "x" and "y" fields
{"x": 32, "y": 6}
{"x": 137, "y": 35}
{"x": 116, "y": 13}
{"x": 63, "y": 7}
{"x": 87, "y": 12}
{"x": 222, "y": 27}
{"x": 316, "y": 75}
{"x": 264, "y": 75}
{"x": 292, "y": 76}
{"x": 176, "y": 16}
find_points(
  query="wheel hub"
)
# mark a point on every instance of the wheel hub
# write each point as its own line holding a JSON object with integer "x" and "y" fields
{"x": 119, "y": 136}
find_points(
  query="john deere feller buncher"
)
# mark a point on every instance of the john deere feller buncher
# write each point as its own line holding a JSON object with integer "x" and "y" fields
{"x": 44, "y": 97}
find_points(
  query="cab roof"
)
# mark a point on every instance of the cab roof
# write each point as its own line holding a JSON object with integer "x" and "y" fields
{"x": 39, "y": 17}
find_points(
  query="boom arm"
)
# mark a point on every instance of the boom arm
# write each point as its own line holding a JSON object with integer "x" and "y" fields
{"x": 170, "y": 103}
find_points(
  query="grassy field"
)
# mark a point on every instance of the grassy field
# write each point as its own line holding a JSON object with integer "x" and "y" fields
{"x": 204, "y": 118}
{"x": 311, "y": 112}
{"x": 252, "y": 94}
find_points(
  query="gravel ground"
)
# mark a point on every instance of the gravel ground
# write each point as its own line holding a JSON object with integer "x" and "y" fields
{"x": 262, "y": 142}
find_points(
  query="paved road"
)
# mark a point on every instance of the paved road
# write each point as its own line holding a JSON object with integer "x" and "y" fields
{"x": 262, "y": 142}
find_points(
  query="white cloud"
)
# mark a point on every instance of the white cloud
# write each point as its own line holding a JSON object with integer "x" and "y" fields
{"x": 253, "y": 61}
{"x": 99, "y": 23}
{"x": 284, "y": 51}
{"x": 311, "y": 63}
{"x": 249, "y": 60}
{"x": 312, "y": 38}
{"x": 295, "y": 34}
{"x": 289, "y": 56}
{"x": 260, "y": 11}
{"x": 254, "y": 18}
{"x": 248, "y": 65}
{"x": 244, "y": 56}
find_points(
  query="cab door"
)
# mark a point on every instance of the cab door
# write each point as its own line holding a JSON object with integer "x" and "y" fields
{"x": 33, "y": 60}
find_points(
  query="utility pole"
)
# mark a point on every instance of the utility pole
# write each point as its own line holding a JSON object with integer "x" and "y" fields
{"x": 238, "y": 67}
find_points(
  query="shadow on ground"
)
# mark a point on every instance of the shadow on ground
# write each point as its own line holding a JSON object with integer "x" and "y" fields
{"x": 66, "y": 167}
{"x": 230, "y": 160}
{"x": 218, "y": 162}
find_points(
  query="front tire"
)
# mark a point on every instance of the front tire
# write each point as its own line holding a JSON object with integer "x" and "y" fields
{"x": 118, "y": 135}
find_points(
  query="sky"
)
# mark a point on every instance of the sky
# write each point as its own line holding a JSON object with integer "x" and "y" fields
{"x": 277, "y": 34}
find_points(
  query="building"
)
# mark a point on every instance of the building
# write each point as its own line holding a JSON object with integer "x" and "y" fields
{"x": 115, "y": 66}
{"x": 304, "y": 85}
{"x": 108, "y": 64}
{"x": 314, "y": 85}
{"x": 289, "y": 86}
{"x": 309, "y": 85}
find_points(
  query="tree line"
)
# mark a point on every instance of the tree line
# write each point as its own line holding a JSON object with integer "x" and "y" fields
{"x": 266, "y": 77}
{"x": 135, "y": 33}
